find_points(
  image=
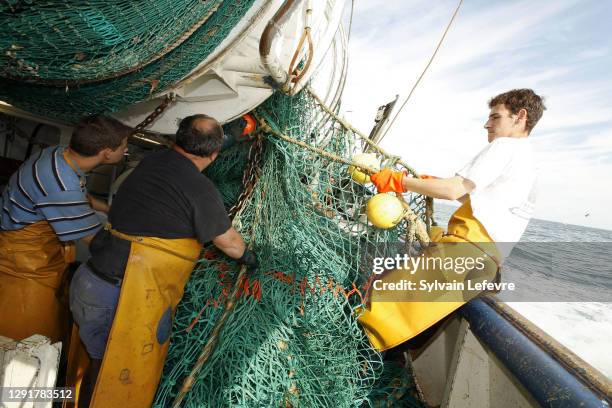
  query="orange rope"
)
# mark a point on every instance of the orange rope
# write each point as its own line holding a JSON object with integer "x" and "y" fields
{"x": 252, "y": 288}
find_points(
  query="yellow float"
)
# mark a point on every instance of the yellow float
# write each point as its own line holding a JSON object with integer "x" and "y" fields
{"x": 384, "y": 210}
{"x": 367, "y": 160}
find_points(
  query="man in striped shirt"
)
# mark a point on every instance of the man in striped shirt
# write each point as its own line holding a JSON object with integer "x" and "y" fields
{"x": 45, "y": 208}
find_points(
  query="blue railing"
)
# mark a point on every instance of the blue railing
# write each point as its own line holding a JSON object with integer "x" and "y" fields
{"x": 549, "y": 382}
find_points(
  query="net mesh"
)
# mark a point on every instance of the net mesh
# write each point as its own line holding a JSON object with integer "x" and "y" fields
{"x": 293, "y": 337}
{"x": 65, "y": 60}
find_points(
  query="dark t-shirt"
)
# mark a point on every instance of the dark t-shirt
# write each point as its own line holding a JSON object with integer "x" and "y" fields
{"x": 166, "y": 197}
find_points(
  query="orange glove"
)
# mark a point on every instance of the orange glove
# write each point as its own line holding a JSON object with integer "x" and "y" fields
{"x": 388, "y": 180}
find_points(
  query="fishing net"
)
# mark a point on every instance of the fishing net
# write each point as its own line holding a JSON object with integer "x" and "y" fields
{"x": 293, "y": 338}
{"x": 64, "y": 60}
{"x": 395, "y": 388}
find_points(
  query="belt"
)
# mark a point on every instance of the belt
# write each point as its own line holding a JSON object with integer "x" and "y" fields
{"x": 110, "y": 279}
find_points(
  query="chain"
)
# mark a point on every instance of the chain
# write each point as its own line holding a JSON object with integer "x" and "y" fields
{"x": 250, "y": 175}
{"x": 170, "y": 97}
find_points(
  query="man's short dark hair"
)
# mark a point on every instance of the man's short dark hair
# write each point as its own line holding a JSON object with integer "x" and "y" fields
{"x": 97, "y": 132}
{"x": 518, "y": 99}
{"x": 202, "y": 140}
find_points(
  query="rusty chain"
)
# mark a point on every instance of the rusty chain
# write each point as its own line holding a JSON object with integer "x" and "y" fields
{"x": 250, "y": 175}
{"x": 170, "y": 97}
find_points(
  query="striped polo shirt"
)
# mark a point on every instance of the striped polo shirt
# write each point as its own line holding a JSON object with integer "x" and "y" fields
{"x": 46, "y": 188}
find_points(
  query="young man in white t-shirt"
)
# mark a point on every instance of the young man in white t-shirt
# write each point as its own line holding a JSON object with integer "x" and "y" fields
{"x": 500, "y": 180}
{"x": 496, "y": 191}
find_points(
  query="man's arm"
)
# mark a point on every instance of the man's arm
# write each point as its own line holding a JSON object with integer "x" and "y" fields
{"x": 452, "y": 188}
{"x": 231, "y": 243}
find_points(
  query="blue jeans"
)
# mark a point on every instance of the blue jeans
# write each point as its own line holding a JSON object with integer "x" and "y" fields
{"x": 93, "y": 302}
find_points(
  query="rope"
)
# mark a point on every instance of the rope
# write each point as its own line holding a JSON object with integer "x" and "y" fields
{"x": 425, "y": 70}
{"x": 269, "y": 130}
{"x": 362, "y": 136}
{"x": 350, "y": 21}
{"x": 418, "y": 230}
{"x": 208, "y": 349}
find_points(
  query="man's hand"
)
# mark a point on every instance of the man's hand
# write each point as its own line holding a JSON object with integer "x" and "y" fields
{"x": 98, "y": 205}
{"x": 232, "y": 245}
{"x": 388, "y": 180}
{"x": 88, "y": 238}
{"x": 249, "y": 259}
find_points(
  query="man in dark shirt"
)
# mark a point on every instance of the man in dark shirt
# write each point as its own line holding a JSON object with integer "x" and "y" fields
{"x": 162, "y": 214}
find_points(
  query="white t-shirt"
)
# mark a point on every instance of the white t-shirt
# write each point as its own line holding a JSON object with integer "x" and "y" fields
{"x": 503, "y": 201}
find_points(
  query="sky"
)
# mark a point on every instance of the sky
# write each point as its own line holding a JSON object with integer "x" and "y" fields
{"x": 561, "y": 49}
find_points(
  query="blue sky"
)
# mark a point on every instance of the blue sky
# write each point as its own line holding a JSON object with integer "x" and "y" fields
{"x": 561, "y": 49}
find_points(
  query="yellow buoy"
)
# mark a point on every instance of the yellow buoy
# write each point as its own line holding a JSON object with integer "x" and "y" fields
{"x": 367, "y": 160}
{"x": 384, "y": 210}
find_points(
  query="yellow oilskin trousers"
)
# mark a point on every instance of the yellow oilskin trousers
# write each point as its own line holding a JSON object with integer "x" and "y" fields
{"x": 33, "y": 262}
{"x": 155, "y": 277}
{"x": 393, "y": 318}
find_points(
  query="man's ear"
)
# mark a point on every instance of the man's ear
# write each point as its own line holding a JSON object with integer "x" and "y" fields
{"x": 522, "y": 114}
{"x": 105, "y": 154}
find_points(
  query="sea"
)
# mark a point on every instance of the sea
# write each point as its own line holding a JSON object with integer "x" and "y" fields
{"x": 580, "y": 318}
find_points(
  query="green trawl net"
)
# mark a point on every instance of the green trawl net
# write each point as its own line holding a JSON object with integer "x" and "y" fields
{"x": 292, "y": 339}
{"x": 67, "y": 59}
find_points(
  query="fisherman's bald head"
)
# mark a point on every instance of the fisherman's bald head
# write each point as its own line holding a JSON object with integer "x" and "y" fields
{"x": 200, "y": 135}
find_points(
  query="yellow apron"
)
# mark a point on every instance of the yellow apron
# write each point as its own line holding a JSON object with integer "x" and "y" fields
{"x": 155, "y": 277}
{"x": 32, "y": 265}
{"x": 389, "y": 323}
